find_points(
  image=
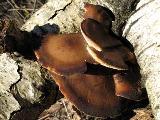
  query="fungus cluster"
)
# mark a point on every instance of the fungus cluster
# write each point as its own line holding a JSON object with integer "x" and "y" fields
{"x": 95, "y": 69}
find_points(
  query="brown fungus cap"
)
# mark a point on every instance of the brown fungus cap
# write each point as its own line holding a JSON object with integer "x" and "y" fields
{"x": 128, "y": 86}
{"x": 108, "y": 58}
{"x": 70, "y": 58}
{"x": 115, "y": 58}
{"x": 99, "y": 13}
{"x": 125, "y": 53}
{"x": 64, "y": 54}
{"x": 96, "y": 35}
{"x": 92, "y": 94}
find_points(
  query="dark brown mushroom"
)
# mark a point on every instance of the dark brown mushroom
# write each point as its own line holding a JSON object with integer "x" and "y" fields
{"x": 102, "y": 93}
{"x": 128, "y": 86}
{"x": 96, "y": 35}
{"x": 109, "y": 58}
{"x": 105, "y": 47}
{"x": 127, "y": 55}
{"x": 64, "y": 54}
{"x": 92, "y": 94}
{"x": 99, "y": 13}
{"x": 104, "y": 16}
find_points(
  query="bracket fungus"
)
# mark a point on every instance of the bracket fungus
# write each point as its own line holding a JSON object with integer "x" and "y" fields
{"x": 94, "y": 69}
{"x": 96, "y": 35}
{"x": 127, "y": 86}
{"x": 64, "y": 54}
{"x": 92, "y": 94}
{"x": 99, "y": 13}
{"x": 108, "y": 58}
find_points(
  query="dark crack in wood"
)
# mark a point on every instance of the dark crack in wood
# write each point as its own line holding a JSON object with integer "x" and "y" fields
{"x": 62, "y": 9}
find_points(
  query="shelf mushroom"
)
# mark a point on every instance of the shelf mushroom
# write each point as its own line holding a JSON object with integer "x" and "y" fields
{"x": 105, "y": 48}
{"x": 127, "y": 86}
{"x": 109, "y": 58}
{"x": 64, "y": 54}
{"x": 105, "y": 17}
{"x": 99, "y": 13}
{"x": 96, "y": 36}
{"x": 92, "y": 94}
{"x": 93, "y": 68}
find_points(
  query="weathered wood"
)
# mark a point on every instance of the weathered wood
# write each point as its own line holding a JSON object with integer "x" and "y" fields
{"x": 143, "y": 31}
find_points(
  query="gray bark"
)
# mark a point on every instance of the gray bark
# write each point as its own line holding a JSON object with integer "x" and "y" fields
{"x": 143, "y": 31}
{"x": 8, "y": 76}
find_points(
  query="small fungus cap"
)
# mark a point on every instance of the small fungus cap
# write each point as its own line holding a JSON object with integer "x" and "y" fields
{"x": 96, "y": 35}
{"x": 99, "y": 13}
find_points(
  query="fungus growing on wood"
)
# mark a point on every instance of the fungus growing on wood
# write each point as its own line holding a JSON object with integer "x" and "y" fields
{"x": 106, "y": 48}
{"x": 108, "y": 58}
{"x": 92, "y": 94}
{"x": 99, "y": 13}
{"x": 93, "y": 69}
{"x": 97, "y": 36}
{"x": 127, "y": 86}
{"x": 64, "y": 54}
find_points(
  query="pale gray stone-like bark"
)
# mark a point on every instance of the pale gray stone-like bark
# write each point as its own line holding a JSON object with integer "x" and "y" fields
{"x": 143, "y": 31}
{"x": 8, "y": 76}
{"x": 67, "y": 14}
{"x": 28, "y": 87}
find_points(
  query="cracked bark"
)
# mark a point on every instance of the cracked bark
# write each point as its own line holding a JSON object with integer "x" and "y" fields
{"x": 43, "y": 93}
{"x": 51, "y": 7}
{"x": 144, "y": 35}
{"x": 20, "y": 77}
{"x": 62, "y": 9}
{"x": 11, "y": 90}
{"x": 8, "y": 76}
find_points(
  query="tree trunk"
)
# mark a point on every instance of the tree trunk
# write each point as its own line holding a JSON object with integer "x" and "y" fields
{"x": 143, "y": 31}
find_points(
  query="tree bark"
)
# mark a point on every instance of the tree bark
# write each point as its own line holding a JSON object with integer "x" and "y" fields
{"x": 143, "y": 31}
